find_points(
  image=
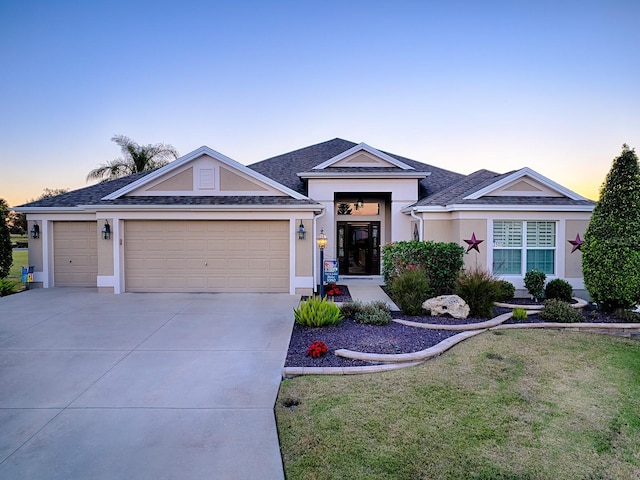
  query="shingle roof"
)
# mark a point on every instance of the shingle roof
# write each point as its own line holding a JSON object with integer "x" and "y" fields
{"x": 285, "y": 168}
{"x": 442, "y": 187}
{"x": 456, "y": 193}
{"x": 90, "y": 195}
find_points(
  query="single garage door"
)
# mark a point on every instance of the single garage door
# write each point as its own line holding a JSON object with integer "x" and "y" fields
{"x": 75, "y": 257}
{"x": 206, "y": 256}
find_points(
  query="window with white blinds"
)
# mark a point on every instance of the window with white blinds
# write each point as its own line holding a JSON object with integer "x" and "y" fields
{"x": 521, "y": 246}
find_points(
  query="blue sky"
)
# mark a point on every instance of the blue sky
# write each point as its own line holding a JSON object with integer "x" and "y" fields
{"x": 552, "y": 85}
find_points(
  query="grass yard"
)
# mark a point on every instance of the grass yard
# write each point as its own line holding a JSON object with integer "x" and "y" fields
{"x": 20, "y": 258}
{"x": 520, "y": 405}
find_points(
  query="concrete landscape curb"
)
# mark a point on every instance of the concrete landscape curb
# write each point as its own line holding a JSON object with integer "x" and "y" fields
{"x": 463, "y": 327}
{"x": 413, "y": 356}
{"x": 580, "y": 303}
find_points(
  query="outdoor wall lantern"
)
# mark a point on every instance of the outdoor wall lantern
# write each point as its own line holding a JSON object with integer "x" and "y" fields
{"x": 302, "y": 233}
{"x": 322, "y": 242}
{"x": 35, "y": 230}
{"x": 106, "y": 231}
{"x": 359, "y": 204}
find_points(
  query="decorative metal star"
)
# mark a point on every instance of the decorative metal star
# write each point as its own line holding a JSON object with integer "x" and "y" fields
{"x": 473, "y": 243}
{"x": 577, "y": 243}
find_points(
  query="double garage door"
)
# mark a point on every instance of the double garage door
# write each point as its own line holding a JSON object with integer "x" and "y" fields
{"x": 206, "y": 256}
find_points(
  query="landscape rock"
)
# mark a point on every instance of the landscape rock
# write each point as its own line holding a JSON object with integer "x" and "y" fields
{"x": 447, "y": 304}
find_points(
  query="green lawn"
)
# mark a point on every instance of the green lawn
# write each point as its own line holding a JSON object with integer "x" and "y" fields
{"x": 506, "y": 405}
{"x": 20, "y": 258}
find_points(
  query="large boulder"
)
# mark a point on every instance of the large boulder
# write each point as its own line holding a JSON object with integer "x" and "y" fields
{"x": 447, "y": 304}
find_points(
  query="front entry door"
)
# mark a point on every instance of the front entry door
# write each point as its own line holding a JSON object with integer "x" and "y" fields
{"x": 359, "y": 248}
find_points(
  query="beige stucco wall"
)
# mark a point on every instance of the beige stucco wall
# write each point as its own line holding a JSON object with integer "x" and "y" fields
{"x": 304, "y": 250}
{"x": 437, "y": 231}
{"x": 105, "y": 249}
{"x": 573, "y": 261}
{"x": 231, "y": 182}
{"x": 463, "y": 230}
{"x": 182, "y": 181}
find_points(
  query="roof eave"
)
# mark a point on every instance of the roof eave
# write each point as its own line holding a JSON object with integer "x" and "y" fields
{"x": 325, "y": 174}
{"x": 160, "y": 208}
{"x": 499, "y": 208}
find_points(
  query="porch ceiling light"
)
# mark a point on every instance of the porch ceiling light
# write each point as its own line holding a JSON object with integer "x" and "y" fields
{"x": 35, "y": 231}
{"x": 106, "y": 231}
{"x": 302, "y": 233}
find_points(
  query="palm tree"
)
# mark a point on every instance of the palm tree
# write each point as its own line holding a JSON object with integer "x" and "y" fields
{"x": 135, "y": 158}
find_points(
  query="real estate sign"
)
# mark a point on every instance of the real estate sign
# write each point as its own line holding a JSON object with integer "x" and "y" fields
{"x": 331, "y": 271}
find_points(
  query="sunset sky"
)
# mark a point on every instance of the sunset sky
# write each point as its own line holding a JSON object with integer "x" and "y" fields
{"x": 462, "y": 85}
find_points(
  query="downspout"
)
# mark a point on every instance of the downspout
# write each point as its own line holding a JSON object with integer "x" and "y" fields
{"x": 315, "y": 257}
{"x": 420, "y": 221}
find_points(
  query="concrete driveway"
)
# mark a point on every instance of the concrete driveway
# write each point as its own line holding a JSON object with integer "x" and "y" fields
{"x": 140, "y": 386}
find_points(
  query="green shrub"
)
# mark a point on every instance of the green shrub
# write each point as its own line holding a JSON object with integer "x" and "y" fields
{"x": 374, "y": 313}
{"x": 558, "y": 311}
{"x": 479, "y": 289}
{"x": 349, "y": 309}
{"x": 440, "y": 261}
{"x": 627, "y": 316}
{"x": 519, "y": 314}
{"x": 317, "y": 312}
{"x": 534, "y": 283}
{"x": 409, "y": 291}
{"x": 610, "y": 253}
{"x": 506, "y": 291}
{"x": 560, "y": 289}
{"x": 7, "y": 287}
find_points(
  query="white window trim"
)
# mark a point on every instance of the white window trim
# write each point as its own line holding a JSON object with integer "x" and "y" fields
{"x": 524, "y": 248}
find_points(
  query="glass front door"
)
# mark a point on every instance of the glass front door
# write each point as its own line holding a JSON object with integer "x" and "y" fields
{"x": 359, "y": 248}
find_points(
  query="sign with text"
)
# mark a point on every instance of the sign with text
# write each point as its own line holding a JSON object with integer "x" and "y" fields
{"x": 331, "y": 271}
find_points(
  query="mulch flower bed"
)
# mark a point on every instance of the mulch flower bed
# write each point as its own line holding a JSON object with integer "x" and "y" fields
{"x": 392, "y": 338}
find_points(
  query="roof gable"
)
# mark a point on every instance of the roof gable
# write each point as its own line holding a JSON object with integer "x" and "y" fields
{"x": 203, "y": 172}
{"x": 523, "y": 183}
{"x": 362, "y": 155}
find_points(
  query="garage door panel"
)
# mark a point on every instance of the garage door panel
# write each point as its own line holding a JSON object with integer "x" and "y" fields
{"x": 75, "y": 258}
{"x": 207, "y": 256}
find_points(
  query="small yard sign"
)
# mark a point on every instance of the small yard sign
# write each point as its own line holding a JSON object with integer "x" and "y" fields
{"x": 331, "y": 271}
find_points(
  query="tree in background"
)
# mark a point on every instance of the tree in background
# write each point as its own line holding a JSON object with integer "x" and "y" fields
{"x": 50, "y": 192}
{"x": 135, "y": 158}
{"x": 6, "y": 253}
{"x": 610, "y": 252}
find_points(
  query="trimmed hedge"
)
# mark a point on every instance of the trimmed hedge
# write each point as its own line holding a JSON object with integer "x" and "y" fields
{"x": 442, "y": 263}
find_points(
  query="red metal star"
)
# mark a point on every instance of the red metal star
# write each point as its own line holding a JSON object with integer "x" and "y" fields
{"x": 577, "y": 243}
{"x": 473, "y": 243}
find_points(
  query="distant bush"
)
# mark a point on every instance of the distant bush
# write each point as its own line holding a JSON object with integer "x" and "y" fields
{"x": 558, "y": 311}
{"x": 560, "y": 289}
{"x": 534, "y": 283}
{"x": 441, "y": 262}
{"x": 479, "y": 289}
{"x": 317, "y": 312}
{"x": 506, "y": 291}
{"x": 409, "y": 291}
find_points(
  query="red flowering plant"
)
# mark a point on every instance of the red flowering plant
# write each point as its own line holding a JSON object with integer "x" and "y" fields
{"x": 317, "y": 349}
{"x": 333, "y": 290}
